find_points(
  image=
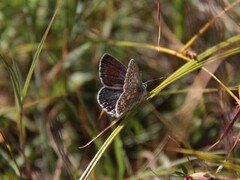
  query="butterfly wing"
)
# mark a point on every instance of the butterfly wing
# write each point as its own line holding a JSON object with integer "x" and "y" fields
{"x": 112, "y": 72}
{"x": 133, "y": 89}
{"x": 107, "y": 98}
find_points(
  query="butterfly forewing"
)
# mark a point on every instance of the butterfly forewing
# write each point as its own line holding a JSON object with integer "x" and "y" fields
{"x": 112, "y": 72}
{"x": 133, "y": 89}
{"x": 133, "y": 79}
{"x": 107, "y": 98}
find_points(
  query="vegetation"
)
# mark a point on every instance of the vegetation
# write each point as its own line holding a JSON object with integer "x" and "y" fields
{"x": 51, "y": 124}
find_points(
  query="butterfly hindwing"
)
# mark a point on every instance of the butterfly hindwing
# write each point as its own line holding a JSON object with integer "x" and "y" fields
{"x": 133, "y": 89}
{"x": 107, "y": 98}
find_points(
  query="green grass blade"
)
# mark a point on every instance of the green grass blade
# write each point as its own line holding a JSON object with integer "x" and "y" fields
{"x": 100, "y": 152}
{"x": 190, "y": 67}
{"x": 119, "y": 154}
{"x": 200, "y": 57}
{"x": 39, "y": 49}
{"x": 218, "y": 47}
{"x": 14, "y": 80}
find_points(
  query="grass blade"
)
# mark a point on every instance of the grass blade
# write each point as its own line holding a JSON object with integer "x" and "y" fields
{"x": 39, "y": 49}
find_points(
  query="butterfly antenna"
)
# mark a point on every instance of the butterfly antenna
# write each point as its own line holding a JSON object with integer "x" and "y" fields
{"x": 152, "y": 80}
{"x": 103, "y": 131}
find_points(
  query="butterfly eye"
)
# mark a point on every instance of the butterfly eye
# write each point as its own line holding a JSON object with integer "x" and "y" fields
{"x": 137, "y": 90}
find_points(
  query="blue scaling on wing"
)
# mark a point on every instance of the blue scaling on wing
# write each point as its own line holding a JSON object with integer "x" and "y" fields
{"x": 107, "y": 98}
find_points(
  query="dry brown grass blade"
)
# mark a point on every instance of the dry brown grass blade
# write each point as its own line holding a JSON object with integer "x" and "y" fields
{"x": 103, "y": 131}
{"x": 206, "y": 26}
{"x": 227, "y": 128}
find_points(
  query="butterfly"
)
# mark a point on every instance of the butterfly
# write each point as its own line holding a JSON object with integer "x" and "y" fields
{"x": 122, "y": 86}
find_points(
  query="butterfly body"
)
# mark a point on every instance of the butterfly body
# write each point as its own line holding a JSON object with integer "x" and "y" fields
{"x": 122, "y": 86}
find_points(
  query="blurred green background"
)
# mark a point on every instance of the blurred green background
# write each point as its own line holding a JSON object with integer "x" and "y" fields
{"x": 60, "y": 112}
